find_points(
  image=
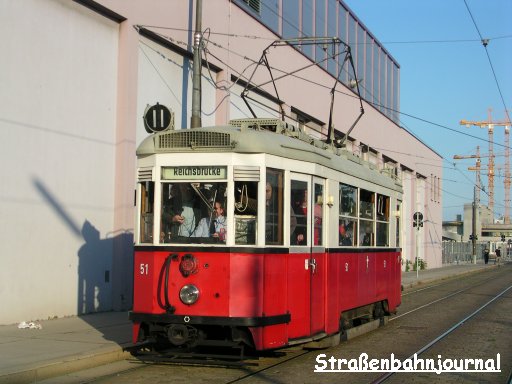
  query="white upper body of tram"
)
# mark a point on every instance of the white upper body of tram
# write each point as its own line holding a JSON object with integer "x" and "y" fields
{"x": 350, "y": 202}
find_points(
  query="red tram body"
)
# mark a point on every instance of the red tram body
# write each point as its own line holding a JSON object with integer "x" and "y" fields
{"x": 258, "y": 284}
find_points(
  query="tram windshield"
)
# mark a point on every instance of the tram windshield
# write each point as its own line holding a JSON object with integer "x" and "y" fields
{"x": 193, "y": 212}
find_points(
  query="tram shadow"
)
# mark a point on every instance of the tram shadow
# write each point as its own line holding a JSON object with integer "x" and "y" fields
{"x": 104, "y": 272}
{"x": 105, "y": 268}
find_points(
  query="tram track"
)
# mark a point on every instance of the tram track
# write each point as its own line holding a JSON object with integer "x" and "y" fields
{"x": 396, "y": 317}
{"x": 458, "y": 302}
{"x": 471, "y": 286}
{"x": 429, "y": 345}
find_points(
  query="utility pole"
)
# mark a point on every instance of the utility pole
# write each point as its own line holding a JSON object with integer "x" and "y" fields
{"x": 476, "y": 200}
{"x": 490, "y": 170}
{"x": 195, "y": 118}
{"x": 507, "y": 174}
{"x": 477, "y": 168}
{"x": 417, "y": 221}
{"x": 473, "y": 235}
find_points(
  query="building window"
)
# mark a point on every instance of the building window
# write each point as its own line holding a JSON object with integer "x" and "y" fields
{"x": 320, "y": 25}
{"x": 382, "y": 78}
{"x": 291, "y": 19}
{"x": 332, "y": 64}
{"x": 389, "y": 88}
{"x": 396, "y": 92}
{"x": 342, "y": 34}
{"x": 307, "y": 25}
{"x": 351, "y": 39}
{"x": 269, "y": 11}
{"x": 360, "y": 60}
{"x": 368, "y": 82}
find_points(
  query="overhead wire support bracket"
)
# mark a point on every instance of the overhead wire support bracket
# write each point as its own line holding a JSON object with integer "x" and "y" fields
{"x": 334, "y": 42}
{"x": 361, "y": 108}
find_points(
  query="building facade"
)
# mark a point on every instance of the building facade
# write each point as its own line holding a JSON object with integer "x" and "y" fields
{"x": 76, "y": 78}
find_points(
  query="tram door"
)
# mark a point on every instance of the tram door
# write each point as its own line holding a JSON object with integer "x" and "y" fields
{"x": 307, "y": 260}
{"x": 318, "y": 256}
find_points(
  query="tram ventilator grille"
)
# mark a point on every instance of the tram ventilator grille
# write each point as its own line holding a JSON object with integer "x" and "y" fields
{"x": 194, "y": 139}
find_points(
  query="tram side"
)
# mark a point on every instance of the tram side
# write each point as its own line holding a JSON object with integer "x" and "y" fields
{"x": 252, "y": 236}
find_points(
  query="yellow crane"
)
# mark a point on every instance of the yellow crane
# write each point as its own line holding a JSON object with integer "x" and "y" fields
{"x": 490, "y": 170}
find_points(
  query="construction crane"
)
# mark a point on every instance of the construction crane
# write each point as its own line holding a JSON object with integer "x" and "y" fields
{"x": 490, "y": 170}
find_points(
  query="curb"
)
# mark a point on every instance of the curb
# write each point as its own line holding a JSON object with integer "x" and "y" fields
{"x": 64, "y": 366}
{"x": 441, "y": 278}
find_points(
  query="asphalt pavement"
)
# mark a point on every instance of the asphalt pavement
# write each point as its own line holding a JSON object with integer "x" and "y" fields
{"x": 31, "y": 352}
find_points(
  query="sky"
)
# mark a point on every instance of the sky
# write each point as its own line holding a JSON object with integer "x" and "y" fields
{"x": 447, "y": 75}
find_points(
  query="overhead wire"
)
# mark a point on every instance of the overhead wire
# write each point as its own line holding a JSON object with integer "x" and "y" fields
{"x": 376, "y": 105}
{"x": 255, "y": 37}
{"x": 485, "y": 43}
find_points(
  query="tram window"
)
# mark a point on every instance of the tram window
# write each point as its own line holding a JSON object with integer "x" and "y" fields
{"x": 299, "y": 213}
{"x": 348, "y": 232}
{"x": 318, "y": 214}
{"x": 397, "y": 225}
{"x": 382, "y": 208}
{"x": 274, "y": 190}
{"x": 366, "y": 235}
{"x": 348, "y": 200}
{"x": 347, "y": 216}
{"x": 366, "y": 204}
{"x": 382, "y": 234}
{"x": 147, "y": 192}
{"x": 193, "y": 212}
{"x": 382, "y": 220}
{"x": 246, "y": 210}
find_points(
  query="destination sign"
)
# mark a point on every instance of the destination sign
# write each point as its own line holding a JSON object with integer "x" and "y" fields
{"x": 194, "y": 173}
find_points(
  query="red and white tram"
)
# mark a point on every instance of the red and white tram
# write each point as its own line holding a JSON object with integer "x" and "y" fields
{"x": 255, "y": 233}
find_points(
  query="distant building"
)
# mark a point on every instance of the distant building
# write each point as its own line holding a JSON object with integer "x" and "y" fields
{"x": 487, "y": 228}
{"x": 453, "y": 230}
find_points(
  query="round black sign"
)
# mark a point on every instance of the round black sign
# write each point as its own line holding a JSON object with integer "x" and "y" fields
{"x": 157, "y": 118}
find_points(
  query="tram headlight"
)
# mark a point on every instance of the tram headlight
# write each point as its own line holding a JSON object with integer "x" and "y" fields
{"x": 188, "y": 265}
{"x": 189, "y": 294}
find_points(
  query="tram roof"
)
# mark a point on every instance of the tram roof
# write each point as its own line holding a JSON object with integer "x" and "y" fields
{"x": 269, "y": 136}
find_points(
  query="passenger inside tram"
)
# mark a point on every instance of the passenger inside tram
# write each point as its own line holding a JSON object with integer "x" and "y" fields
{"x": 298, "y": 213}
{"x": 270, "y": 215}
{"x": 181, "y": 211}
{"x": 189, "y": 213}
{"x": 246, "y": 209}
{"x": 366, "y": 233}
{"x": 213, "y": 225}
{"x": 346, "y": 232}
